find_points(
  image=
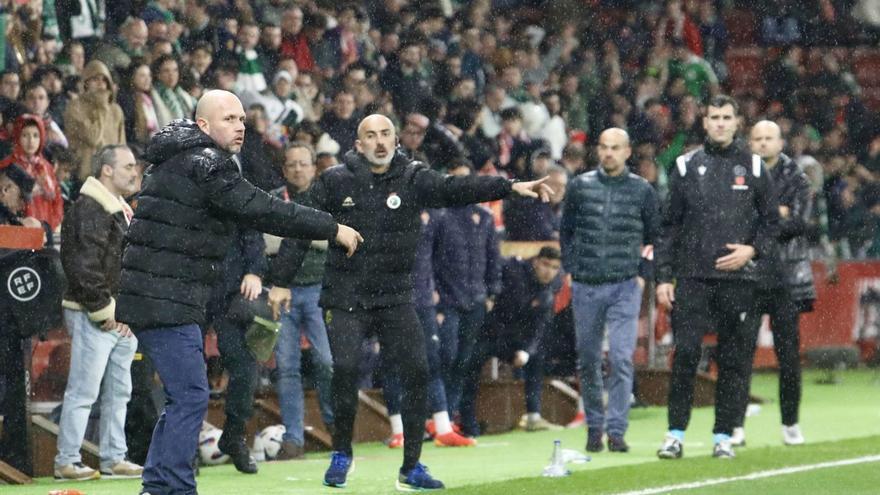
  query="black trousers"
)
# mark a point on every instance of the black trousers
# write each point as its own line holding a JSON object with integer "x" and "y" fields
{"x": 142, "y": 414}
{"x": 403, "y": 343}
{"x": 784, "y": 321}
{"x": 242, "y": 369}
{"x": 728, "y": 308}
{"x": 15, "y": 445}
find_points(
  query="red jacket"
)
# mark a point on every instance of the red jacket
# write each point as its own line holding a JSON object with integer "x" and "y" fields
{"x": 46, "y": 203}
{"x": 297, "y": 48}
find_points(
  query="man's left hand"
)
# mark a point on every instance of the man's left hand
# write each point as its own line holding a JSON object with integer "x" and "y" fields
{"x": 534, "y": 189}
{"x": 251, "y": 286}
{"x": 739, "y": 256}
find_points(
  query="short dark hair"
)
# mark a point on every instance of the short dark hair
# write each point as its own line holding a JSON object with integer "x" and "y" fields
{"x": 304, "y": 145}
{"x": 105, "y": 156}
{"x": 511, "y": 113}
{"x": 719, "y": 101}
{"x": 550, "y": 253}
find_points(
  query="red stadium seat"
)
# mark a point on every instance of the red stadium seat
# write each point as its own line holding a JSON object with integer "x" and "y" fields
{"x": 741, "y": 26}
{"x": 745, "y": 66}
{"x": 866, "y": 66}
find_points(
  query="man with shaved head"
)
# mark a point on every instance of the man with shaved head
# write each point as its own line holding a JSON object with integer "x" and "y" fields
{"x": 609, "y": 219}
{"x": 381, "y": 192}
{"x": 192, "y": 198}
{"x": 785, "y": 288}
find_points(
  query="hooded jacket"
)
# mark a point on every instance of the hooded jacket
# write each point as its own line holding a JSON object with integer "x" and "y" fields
{"x": 46, "y": 203}
{"x": 93, "y": 120}
{"x": 192, "y": 197}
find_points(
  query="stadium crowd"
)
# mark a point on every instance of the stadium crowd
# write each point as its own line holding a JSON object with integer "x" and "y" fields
{"x": 515, "y": 88}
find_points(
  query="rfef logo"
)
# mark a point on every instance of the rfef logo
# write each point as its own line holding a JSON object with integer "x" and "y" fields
{"x": 23, "y": 284}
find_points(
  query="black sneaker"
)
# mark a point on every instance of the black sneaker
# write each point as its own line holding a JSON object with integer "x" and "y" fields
{"x": 723, "y": 450}
{"x": 236, "y": 449}
{"x": 617, "y": 444}
{"x": 671, "y": 448}
{"x": 594, "y": 440}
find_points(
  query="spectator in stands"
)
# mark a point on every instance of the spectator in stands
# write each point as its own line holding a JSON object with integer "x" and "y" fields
{"x": 490, "y": 120}
{"x": 412, "y": 136}
{"x": 610, "y": 216}
{"x": 342, "y": 120}
{"x": 304, "y": 317}
{"x": 94, "y": 119}
{"x": 102, "y": 348}
{"x": 405, "y": 80}
{"x": 137, "y": 104}
{"x": 513, "y": 332}
{"x": 117, "y": 53}
{"x": 467, "y": 266}
{"x": 526, "y": 220}
{"x": 294, "y": 43}
{"x": 171, "y": 101}
{"x": 36, "y": 100}
{"x": 676, "y": 25}
{"x": 46, "y": 203}
{"x": 10, "y": 85}
{"x": 464, "y": 121}
{"x": 282, "y": 111}
{"x": 699, "y": 78}
{"x": 15, "y": 189}
{"x": 261, "y": 154}
{"x": 515, "y": 148}
{"x": 200, "y": 29}
{"x": 251, "y": 75}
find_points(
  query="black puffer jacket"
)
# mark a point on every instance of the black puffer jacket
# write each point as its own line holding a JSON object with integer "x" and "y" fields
{"x": 386, "y": 210}
{"x": 181, "y": 230}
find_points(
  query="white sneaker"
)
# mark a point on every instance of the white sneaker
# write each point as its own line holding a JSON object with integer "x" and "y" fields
{"x": 791, "y": 435}
{"x": 738, "y": 439}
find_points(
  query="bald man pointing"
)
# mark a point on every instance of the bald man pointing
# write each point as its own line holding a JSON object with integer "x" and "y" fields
{"x": 192, "y": 196}
{"x": 381, "y": 192}
{"x": 609, "y": 218}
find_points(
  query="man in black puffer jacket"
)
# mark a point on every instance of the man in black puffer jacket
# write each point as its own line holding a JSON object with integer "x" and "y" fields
{"x": 190, "y": 199}
{"x": 382, "y": 192}
{"x": 785, "y": 289}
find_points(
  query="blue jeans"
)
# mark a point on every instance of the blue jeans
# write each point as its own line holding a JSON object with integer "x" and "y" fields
{"x": 178, "y": 353}
{"x": 458, "y": 336}
{"x": 392, "y": 388}
{"x": 617, "y": 305}
{"x": 304, "y": 316}
{"x": 100, "y": 363}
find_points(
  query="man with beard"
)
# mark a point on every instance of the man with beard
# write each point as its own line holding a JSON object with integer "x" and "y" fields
{"x": 383, "y": 193}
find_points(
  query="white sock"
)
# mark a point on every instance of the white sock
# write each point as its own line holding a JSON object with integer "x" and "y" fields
{"x": 442, "y": 423}
{"x": 534, "y": 416}
{"x": 396, "y": 424}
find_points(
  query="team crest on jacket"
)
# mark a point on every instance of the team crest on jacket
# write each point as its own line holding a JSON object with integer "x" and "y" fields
{"x": 348, "y": 202}
{"x": 393, "y": 201}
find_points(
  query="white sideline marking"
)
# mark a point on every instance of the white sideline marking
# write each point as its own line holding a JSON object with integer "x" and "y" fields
{"x": 754, "y": 476}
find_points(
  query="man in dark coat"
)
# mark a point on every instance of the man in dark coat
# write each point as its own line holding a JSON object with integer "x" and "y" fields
{"x": 190, "y": 199}
{"x": 383, "y": 192}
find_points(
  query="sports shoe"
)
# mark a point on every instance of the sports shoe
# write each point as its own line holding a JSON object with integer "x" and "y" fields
{"x": 235, "y": 447}
{"x": 579, "y": 420}
{"x": 539, "y": 424}
{"x": 671, "y": 448}
{"x": 738, "y": 439}
{"x": 341, "y": 465}
{"x": 123, "y": 469}
{"x": 76, "y": 472}
{"x": 290, "y": 451}
{"x": 617, "y": 444}
{"x": 431, "y": 428}
{"x": 453, "y": 439}
{"x": 418, "y": 479}
{"x": 723, "y": 450}
{"x": 791, "y": 435}
{"x": 396, "y": 441}
{"x": 594, "y": 440}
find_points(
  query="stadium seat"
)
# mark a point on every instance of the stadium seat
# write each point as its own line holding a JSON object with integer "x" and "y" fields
{"x": 745, "y": 66}
{"x": 741, "y": 26}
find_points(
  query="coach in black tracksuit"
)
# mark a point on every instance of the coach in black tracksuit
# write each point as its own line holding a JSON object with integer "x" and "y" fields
{"x": 382, "y": 192}
{"x": 721, "y": 213}
{"x": 785, "y": 288}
